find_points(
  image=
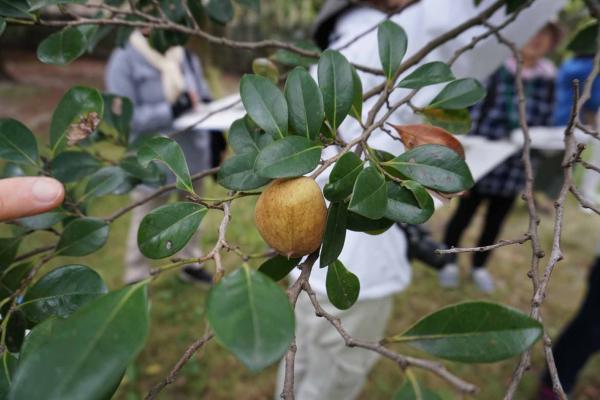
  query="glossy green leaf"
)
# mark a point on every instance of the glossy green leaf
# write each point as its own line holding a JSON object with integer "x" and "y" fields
{"x": 72, "y": 166}
{"x": 335, "y": 234}
{"x": 289, "y": 157}
{"x": 411, "y": 390}
{"x": 278, "y": 267}
{"x": 15, "y": 331}
{"x": 167, "y": 151}
{"x": 9, "y": 248}
{"x": 220, "y": 10}
{"x": 82, "y": 236}
{"x": 265, "y": 67}
{"x": 409, "y": 203}
{"x": 343, "y": 287}
{"x": 434, "y": 166}
{"x": 17, "y": 143}
{"x": 42, "y": 221}
{"x": 357, "y": 97}
{"x": 104, "y": 181}
{"x": 305, "y": 104}
{"x": 62, "y": 47}
{"x": 7, "y": 367}
{"x": 369, "y": 197}
{"x": 61, "y": 292}
{"x": 427, "y": 74}
{"x": 150, "y": 174}
{"x": 473, "y": 332}
{"x": 337, "y": 86}
{"x": 88, "y": 351}
{"x": 167, "y": 229}
{"x": 461, "y": 93}
{"x": 238, "y": 173}
{"x": 243, "y": 140}
{"x": 265, "y": 104}
{"x": 251, "y": 317}
{"x": 118, "y": 114}
{"x": 290, "y": 58}
{"x": 392, "y": 42}
{"x": 455, "y": 121}
{"x": 75, "y": 105}
{"x": 342, "y": 177}
{"x": 358, "y": 223}
{"x": 15, "y": 9}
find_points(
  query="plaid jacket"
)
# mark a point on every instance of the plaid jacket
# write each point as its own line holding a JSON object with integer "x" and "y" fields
{"x": 497, "y": 115}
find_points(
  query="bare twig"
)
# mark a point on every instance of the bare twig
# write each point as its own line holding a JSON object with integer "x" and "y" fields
{"x": 500, "y": 243}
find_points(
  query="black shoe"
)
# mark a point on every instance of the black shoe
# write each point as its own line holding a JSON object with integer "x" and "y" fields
{"x": 196, "y": 275}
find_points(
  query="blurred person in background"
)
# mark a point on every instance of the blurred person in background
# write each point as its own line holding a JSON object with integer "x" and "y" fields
{"x": 162, "y": 86}
{"x": 494, "y": 118}
{"x": 324, "y": 367}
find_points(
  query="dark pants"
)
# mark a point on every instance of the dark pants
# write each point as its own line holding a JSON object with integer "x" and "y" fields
{"x": 497, "y": 211}
{"x": 581, "y": 338}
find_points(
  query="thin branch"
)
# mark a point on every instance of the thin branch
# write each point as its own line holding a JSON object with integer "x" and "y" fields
{"x": 500, "y": 243}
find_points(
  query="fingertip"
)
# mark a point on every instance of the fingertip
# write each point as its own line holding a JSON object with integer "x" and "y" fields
{"x": 47, "y": 191}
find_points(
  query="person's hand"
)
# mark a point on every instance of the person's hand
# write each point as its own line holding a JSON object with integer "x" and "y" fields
{"x": 22, "y": 197}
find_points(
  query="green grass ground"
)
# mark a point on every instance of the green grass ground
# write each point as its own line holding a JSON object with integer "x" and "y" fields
{"x": 177, "y": 309}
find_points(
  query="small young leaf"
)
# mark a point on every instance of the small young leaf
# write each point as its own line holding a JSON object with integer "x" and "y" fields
{"x": 305, "y": 104}
{"x": 252, "y": 317}
{"x": 335, "y": 234}
{"x": 82, "y": 236}
{"x": 461, "y": 93}
{"x": 342, "y": 286}
{"x": 17, "y": 143}
{"x": 265, "y": 67}
{"x": 392, "y": 42}
{"x": 409, "y": 203}
{"x": 434, "y": 166}
{"x": 357, "y": 97}
{"x": 265, "y": 104}
{"x": 72, "y": 166}
{"x": 167, "y": 229}
{"x": 238, "y": 173}
{"x": 289, "y": 157}
{"x": 61, "y": 292}
{"x": 427, "y": 74}
{"x": 292, "y": 59}
{"x": 62, "y": 47}
{"x": 455, "y": 121}
{"x": 369, "y": 196}
{"x": 337, "y": 86}
{"x": 473, "y": 332}
{"x": 278, "y": 267}
{"x": 167, "y": 151}
{"x": 342, "y": 177}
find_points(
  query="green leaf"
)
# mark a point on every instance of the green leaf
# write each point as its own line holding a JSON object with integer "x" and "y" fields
{"x": 455, "y": 121}
{"x": 167, "y": 229}
{"x": 220, "y": 10}
{"x": 473, "y": 332}
{"x": 72, "y": 166}
{"x": 342, "y": 177}
{"x": 238, "y": 173}
{"x": 104, "y": 181}
{"x": 392, "y": 42}
{"x": 2, "y": 25}
{"x": 167, "y": 151}
{"x": 289, "y": 157}
{"x": 305, "y": 104}
{"x": 15, "y": 331}
{"x": 265, "y": 67}
{"x": 243, "y": 140}
{"x": 7, "y": 368}
{"x": 17, "y": 143}
{"x": 75, "y": 105}
{"x": 409, "y": 203}
{"x": 265, "y": 104}
{"x": 278, "y": 267}
{"x": 82, "y": 236}
{"x": 42, "y": 221}
{"x": 337, "y": 86}
{"x": 427, "y": 74}
{"x": 342, "y": 286}
{"x": 15, "y": 9}
{"x": 357, "y": 97}
{"x": 584, "y": 41}
{"x": 62, "y": 47}
{"x": 434, "y": 166}
{"x": 88, "y": 351}
{"x": 37, "y": 4}
{"x": 290, "y": 58}
{"x": 513, "y": 5}
{"x": 358, "y": 223}
{"x": 251, "y": 317}
{"x": 150, "y": 174}
{"x": 411, "y": 390}
{"x": 9, "y": 248}
{"x": 61, "y": 292}
{"x": 335, "y": 234}
{"x": 461, "y": 93}
{"x": 117, "y": 116}
{"x": 369, "y": 196}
